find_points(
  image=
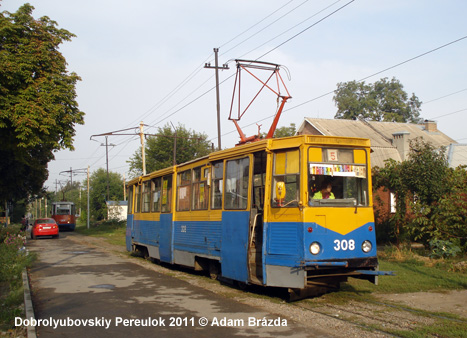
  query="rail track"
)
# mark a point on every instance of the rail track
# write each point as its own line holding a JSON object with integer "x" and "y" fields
{"x": 378, "y": 318}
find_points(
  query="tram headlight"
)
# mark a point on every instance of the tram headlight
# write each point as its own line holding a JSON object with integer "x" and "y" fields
{"x": 366, "y": 246}
{"x": 315, "y": 248}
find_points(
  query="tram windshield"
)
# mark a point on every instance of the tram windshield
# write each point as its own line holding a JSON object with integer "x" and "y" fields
{"x": 64, "y": 209}
{"x": 338, "y": 180}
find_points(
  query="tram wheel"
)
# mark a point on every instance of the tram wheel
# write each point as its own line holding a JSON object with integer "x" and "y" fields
{"x": 214, "y": 269}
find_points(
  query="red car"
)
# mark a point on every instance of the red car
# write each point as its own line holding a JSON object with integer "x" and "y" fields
{"x": 44, "y": 227}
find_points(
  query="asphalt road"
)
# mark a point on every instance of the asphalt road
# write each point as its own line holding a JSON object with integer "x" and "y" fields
{"x": 79, "y": 291}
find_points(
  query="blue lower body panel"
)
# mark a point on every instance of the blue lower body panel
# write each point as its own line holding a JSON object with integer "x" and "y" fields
{"x": 166, "y": 238}
{"x": 235, "y": 225}
{"x": 198, "y": 237}
{"x": 129, "y": 230}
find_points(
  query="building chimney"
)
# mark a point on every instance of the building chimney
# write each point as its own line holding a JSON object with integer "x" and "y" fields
{"x": 431, "y": 126}
{"x": 401, "y": 141}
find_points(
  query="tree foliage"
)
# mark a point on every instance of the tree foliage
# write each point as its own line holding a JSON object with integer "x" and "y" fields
{"x": 159, "y": 149}
{"x": 98, "y": 192}
{"x": 37, "y": 101}
{"x": 285, "y": 131}
{"x": 384, "y": 101}
{"x": 431, "y": 197}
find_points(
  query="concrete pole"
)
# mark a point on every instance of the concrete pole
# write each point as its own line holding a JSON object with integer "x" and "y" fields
{"x": 88, "y": 202}
{"x": 141, "y": 134}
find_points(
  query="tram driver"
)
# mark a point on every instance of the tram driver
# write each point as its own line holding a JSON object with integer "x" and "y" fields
{"x": 325, "y": 191}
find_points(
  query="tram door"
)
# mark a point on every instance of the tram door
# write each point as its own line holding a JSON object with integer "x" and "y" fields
{"x": 255, "y": 240}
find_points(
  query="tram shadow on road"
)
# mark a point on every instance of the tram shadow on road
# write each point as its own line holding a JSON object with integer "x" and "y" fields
{"x": 280, "y": 294}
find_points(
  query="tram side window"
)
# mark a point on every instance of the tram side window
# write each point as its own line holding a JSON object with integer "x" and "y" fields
{"x": 217, "y": 185}
{"x": 146, "y": 195}
{"x": 183, "y": 190}
{"x": 156, "y": 188}
{"x": 200, "y": 190}
{"x": 286, "y": 179}
{"x": 236, "y": 184}
{"x": 166, "y": 194}
{"x": 130, "y": 199}
{"x": 138, "y": 198}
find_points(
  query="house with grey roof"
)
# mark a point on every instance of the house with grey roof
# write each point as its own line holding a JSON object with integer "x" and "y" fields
{"x": 457, "y": 155}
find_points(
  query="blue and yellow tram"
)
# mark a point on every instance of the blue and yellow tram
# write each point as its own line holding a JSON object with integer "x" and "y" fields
{"x": 256, "y": 213}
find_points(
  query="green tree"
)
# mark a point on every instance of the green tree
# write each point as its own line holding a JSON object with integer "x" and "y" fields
{"x": 384, "y": 101}
{"x": 98, "y": 192}
{"x": 425, "y": 172}
{"x": 444, "y": 220}
{"x": 431, "y": 198}
{"x": 160, "y": 148}
{"x": 37, "y": 101}
{"x": 285, "y": 131}
{"x": 282, "y": 132}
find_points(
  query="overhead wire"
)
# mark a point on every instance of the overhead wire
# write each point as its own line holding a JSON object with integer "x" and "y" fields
{"x": 161, "y": 118}
{"x": 251, "y": 27}
{"x": 199, "y": 68}
{"x": 173, "y": 91}
{"x": 442, "y": 97}
{"x": 206, "y": 92}
{"x": 288, "y": 30}
{"x": 182, "y": 84}
{"x": 168, "y": 96}
{"x": 188, "y": 79}
{"x": 366, "y": 77}
{"x": 455, "y": 112}
{"x": 256, "y": 24}
{"x": 307, "y": 28}
{"x": 384, "y": 70}
{"x": 369, "y": 76}
{"x": 264, "y": 28}
{"x": 414, "y": 58}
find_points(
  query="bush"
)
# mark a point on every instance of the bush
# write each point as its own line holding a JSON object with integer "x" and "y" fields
{"x": 13, "y": 260}
{"x": 443, "y": 249}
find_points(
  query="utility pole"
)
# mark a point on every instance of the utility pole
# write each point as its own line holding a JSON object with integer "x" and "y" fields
{"x": 72, "y": 172}
{"x": 107, "y": 162}
{"x": 87, "y": 213}
{"x": 124, "y": 187}
{"x": 143, "y": 156}
{"x": 174, "y": 162}
{"x": 216, "y": 67}
{"x": 141, "y": 133}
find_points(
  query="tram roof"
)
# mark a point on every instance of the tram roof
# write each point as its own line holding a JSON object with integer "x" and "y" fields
{"x": 272, "y": 144}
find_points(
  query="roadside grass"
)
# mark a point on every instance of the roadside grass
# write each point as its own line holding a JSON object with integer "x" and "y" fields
{"x": 13, "y": 260}
{"x": 112, "y": 231}
{"x": 415, "y": 272}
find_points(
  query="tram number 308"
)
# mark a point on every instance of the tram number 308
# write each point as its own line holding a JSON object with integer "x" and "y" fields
{"x": 344, "y": 245}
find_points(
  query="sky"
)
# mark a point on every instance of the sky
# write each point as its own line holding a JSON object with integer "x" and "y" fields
{"x": 143, "y": 60}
